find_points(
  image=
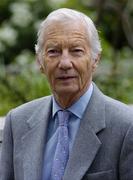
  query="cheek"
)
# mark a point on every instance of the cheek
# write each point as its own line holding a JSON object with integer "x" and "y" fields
{"x": 85, "y": 72}
{"x": 85, "y": 68}
{"x": 49, "y": 67}
{"x": 48, "y": 72}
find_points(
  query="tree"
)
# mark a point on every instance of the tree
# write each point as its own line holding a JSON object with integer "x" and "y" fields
{"x": 19, "y": 80}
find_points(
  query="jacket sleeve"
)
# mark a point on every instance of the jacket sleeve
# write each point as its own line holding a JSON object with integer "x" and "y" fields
{"x": 126, "y": 157}
{"x": 6, "y": 159}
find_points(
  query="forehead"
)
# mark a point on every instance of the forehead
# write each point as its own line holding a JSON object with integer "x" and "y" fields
{"x": 64, "y": 31}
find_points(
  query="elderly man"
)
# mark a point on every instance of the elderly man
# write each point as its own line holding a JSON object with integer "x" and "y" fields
{"x": 77, "y": 133}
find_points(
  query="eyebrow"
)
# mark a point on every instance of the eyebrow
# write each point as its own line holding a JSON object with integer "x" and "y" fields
{"x": 51, "y": 44}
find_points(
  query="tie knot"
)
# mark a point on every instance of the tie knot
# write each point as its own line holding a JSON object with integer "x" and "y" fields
{"x": 63, "y": 117}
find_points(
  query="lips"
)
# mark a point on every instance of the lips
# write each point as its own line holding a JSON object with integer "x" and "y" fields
{"x": 65, "y": 77}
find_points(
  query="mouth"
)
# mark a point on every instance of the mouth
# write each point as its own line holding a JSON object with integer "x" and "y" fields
{"x": 65, "y": 78}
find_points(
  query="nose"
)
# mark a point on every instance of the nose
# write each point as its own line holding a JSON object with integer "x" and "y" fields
{"x": 65, "y": 62}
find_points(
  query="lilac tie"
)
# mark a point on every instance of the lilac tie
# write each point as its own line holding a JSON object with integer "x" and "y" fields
{"x": 62, "y": 148}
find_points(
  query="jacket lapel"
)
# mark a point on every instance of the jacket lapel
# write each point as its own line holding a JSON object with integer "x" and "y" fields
{"x": 34, "y": 140}
{"x": 87, "y": 143}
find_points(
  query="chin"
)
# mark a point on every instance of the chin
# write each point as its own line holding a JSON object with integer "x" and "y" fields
{"x": 67, "y": 90}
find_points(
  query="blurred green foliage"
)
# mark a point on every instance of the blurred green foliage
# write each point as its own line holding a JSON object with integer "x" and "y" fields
{"x": 20, "y": 79}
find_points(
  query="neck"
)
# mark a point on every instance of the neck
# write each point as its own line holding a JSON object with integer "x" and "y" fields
{"x": 67, "y": 100}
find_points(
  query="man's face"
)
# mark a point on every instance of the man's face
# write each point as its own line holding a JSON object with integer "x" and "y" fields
{"x": 67, "y": 59}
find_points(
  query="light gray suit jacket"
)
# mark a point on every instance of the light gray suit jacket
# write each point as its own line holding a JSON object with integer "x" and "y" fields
{"x": 103, "y": 148}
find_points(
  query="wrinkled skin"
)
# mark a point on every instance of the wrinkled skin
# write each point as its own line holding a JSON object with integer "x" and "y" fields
{"x": 67, "y": 61}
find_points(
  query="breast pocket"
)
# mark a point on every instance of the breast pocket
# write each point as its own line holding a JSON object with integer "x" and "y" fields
{"x": 102, "y": 175}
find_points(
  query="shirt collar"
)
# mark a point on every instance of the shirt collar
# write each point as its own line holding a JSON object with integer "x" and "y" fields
{"x": 79, "y": 106}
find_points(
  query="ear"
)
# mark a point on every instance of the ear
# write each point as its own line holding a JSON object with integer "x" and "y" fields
{"x": 96, "y": 62}
{"x": 41, "y": 66}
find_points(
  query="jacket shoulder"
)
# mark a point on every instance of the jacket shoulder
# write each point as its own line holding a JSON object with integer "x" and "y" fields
{"x": 118, "y": 113}
{"x": 32, "y": 104}
{"x": 24, "y": 111}
{"x": 115, "y": 110}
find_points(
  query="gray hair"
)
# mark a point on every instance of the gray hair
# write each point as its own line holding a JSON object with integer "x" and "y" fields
{"x": 65, "y": 14}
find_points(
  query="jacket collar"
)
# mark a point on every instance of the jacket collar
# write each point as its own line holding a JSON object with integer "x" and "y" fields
{"x": 36, "y": 135}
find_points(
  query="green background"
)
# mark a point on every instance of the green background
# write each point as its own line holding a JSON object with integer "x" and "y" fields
{"x": 20, "y": 79}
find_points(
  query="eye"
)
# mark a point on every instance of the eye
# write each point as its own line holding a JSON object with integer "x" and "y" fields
{"x": 53, "y": 52}
{"x": 77, "y": 51}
